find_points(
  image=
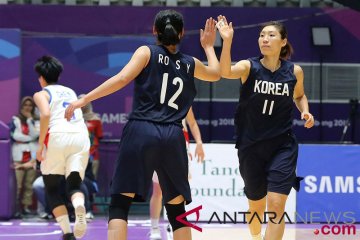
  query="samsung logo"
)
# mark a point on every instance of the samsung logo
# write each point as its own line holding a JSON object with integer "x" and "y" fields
{"x": 332, "y": 184}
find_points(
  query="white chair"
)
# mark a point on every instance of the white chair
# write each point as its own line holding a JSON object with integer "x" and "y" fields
{"x": 213, "y": 2}
{"x": 67, "y": 2}
{"x": 296, "y": 2}
{"x": 136, "y": 2}
{"x": 202, "y": 3}
{"x": 104, "y": 2}
{"x": 36, "y": 2}
{"x": 205, "y": 3}
{"x": 171, "y": 3}
{"x": 271, "y": 3}
{"x": 305, "y": 3}
{"x": 236, "y": 3}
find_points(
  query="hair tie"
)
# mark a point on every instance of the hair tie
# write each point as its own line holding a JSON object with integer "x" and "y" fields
{"x": 168, "y": 21}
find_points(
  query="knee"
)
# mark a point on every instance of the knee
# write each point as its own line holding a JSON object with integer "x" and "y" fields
{"x": 173, "y": 211}
{"x": 276, "y": 205}
{"x": 52, "y": 190}
{"x": 119, "y": 207}
{"x": 73, "y": 183}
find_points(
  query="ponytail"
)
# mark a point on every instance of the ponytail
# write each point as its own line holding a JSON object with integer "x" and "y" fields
{"x": 286, "y": 51}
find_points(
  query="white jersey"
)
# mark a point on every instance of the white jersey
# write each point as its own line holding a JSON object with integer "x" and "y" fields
{"x": 60, "y": 97}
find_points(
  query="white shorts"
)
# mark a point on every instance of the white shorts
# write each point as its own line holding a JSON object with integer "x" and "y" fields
{"x": 66, "y": 153}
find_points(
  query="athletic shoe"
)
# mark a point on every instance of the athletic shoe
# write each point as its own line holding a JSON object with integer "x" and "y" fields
{"x": 89, "y": 216}
{"x": 68, "y": 236}
{"x": 80, "y": 222}
{"x": 155, "y": 234}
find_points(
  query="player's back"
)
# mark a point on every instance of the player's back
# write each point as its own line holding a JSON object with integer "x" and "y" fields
{"x": 60, "y": 97}
{"x": 165, "y": 89}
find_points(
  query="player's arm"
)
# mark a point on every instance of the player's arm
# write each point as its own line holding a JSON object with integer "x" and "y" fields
{"x": 137, "y": 63}
{"x": 42, "y": 102}
{"x": 195, "y": 132}
{"x": 300, "y": 98}
{"x": 207, "y": 40}
{"x": 241, "y": 69}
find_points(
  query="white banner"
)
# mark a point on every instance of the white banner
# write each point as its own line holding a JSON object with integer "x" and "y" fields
{"x": 217, "y": 186}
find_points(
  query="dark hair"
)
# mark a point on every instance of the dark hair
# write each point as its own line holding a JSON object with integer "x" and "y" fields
{"x": 168, "y": 25}
{"x": 49, "y": 68}
{"x": 287, "y": 50}
{"x": 22, "y": 103}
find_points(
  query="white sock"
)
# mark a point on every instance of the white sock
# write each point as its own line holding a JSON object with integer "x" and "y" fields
{"x": 257, "y": 237}
{"x": 78, "y": 201}
{"x": 154, "y": 222}
{"x": 64, "y": 223}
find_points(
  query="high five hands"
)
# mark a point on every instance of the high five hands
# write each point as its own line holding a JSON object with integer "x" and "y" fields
{"x": 208, "y": 34}
{"x": 226, "y": 29}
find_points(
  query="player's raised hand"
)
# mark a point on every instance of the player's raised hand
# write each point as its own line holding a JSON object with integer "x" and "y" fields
{"x": 309, "y": 119}
{"x": 208, "y": 34}
{"x": 72, "y": 106}
{"x": 225, "y": 29}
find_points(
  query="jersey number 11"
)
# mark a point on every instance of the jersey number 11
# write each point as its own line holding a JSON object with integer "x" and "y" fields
{"x": 270, "y": 108}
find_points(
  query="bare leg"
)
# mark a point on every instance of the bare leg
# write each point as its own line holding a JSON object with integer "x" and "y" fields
{"x": 257, "y": 207}
{"x": 155, "y": 202}
{"x": 117, "y": 229}
{"x": 60, "y": 211}
{"x": 62, "y": 217}
{"x": 155, "y": 210}
{"x": 276, "y": 203}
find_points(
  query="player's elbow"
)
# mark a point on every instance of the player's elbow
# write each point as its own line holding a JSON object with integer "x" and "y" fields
{"x": 225, "y": 73}
{"x": 215, "y": 76}
{"x": 45, "y": 115}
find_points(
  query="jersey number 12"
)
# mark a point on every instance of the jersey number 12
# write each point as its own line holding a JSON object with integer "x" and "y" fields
{"x": 175, "y": 82}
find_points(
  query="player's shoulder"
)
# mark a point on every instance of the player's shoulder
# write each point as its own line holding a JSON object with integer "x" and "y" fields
{"x": 298, "y": 71}
{"x": 144, "y": 50}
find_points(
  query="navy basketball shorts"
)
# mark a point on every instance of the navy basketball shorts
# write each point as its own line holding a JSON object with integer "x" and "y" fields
{"x": 146, "y": 147}
{"x": 269, "y": 166}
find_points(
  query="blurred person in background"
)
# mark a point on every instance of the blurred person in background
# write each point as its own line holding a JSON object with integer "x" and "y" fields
{"x": 24, "y": 134}
{"x": 94, "y": 125}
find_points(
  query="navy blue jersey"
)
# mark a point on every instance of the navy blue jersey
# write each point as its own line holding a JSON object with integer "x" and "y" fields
{"x": 265, "y": 106}
{"x": 164, "y": 91}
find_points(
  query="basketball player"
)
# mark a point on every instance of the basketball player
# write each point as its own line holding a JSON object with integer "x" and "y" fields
{"x": 156, "y": 197}
{"x": 63, "y": 146}
{"x": 267, "y": 148}
{"x": 152, "y": 139}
